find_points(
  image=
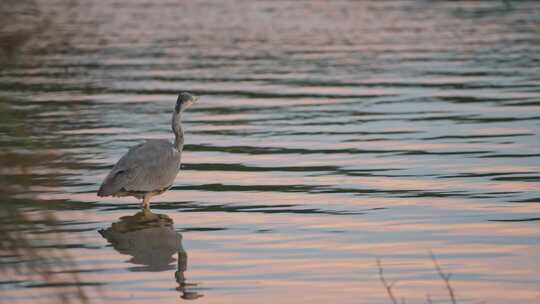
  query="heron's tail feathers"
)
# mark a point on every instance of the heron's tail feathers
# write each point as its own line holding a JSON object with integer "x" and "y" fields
{"x": 104, "y": 191}
{"x": 114, "y": 182}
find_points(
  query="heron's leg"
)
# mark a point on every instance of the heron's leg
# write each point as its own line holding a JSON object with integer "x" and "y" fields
{"x": 146, "y": 202}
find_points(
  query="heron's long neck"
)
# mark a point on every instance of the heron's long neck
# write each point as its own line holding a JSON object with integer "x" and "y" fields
{"x": 178, "y": 131}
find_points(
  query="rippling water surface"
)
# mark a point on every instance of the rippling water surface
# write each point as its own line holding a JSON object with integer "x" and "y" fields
{"x": 328, "y": 135}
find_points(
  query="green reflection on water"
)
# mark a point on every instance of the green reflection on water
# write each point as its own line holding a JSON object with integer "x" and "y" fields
{"x": 32, "y": 250}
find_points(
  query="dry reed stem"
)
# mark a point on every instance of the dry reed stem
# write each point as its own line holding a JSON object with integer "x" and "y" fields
{"x": 445, "y": 277}
{"x": 387, "y": 286}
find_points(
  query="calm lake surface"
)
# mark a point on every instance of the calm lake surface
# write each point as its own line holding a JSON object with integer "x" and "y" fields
{"x": 328, "y": 135}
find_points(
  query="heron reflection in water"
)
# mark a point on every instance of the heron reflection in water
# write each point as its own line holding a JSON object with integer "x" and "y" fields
{"x": 151, "y": 241}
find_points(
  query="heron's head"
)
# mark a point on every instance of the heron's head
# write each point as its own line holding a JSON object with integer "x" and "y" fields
{"x": 184, "y": 101}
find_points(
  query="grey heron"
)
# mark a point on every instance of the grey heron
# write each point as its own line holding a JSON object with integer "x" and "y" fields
{"x": 149, "y": 168}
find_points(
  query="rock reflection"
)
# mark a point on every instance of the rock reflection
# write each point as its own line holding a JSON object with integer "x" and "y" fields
{"x": 151, "y": 241}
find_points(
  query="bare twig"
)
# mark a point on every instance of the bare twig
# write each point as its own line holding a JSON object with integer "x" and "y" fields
{"x": 445, "y": 277}
{"x": 428, "y": 299}
{"x": 386, "y": 285}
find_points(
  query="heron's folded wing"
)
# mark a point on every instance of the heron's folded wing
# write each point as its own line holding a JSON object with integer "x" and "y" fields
{"x": 123, "y": 173}
{"x": 150, "y": 166}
